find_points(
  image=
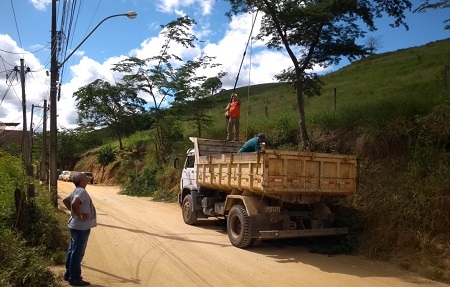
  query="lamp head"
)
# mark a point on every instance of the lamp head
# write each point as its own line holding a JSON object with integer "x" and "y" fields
{"x": 131, "y": 15}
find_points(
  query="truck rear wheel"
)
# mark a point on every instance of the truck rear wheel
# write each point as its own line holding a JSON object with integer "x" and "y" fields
{"x": 238, "y": 227}
{"x": 188, "y": 214}
{"x": 255, "y": 242}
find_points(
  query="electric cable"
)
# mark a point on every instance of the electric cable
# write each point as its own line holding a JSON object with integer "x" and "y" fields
{"x": 17, "y": 27}
{"x": 23, "y": 53}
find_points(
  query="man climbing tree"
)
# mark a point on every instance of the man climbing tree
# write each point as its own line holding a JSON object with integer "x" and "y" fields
{"x": 317, "y": 33}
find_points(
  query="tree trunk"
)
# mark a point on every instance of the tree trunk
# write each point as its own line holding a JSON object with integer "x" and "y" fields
{"x": 199, "y": 126}
{"x": 302, "y": 118}
{"x": 120, "y": 141}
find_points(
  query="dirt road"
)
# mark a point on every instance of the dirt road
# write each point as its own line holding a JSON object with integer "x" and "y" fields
{"x": 143, "y": 243}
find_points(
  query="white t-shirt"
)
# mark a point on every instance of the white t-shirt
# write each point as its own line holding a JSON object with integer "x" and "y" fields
{"x": 86, "y": 207}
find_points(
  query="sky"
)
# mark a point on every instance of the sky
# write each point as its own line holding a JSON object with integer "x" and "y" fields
{"x": 25, "y": 27}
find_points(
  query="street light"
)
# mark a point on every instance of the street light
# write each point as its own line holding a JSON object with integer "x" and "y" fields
{"x": 53, "y": 92}
{"x": 130, "y": 15}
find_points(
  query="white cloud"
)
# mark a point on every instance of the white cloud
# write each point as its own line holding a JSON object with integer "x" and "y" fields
{"x": 41, "y": 4}
{"x": 83, "y": 73}
{"x": 229, "y": 52}
{"x": 169, "y": 6}
{"x": 36, "y": 83}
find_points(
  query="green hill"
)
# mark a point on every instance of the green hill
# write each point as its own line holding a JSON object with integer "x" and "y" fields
{"x": 392, "y": 110}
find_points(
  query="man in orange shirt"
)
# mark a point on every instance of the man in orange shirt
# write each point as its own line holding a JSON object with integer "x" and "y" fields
{"x": 234, "y": 109}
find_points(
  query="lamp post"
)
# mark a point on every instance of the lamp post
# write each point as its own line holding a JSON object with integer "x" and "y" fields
{"x": 53, "y": 93}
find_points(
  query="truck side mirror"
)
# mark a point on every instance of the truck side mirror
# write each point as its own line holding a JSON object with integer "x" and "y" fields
{"x": 176, "y": 162}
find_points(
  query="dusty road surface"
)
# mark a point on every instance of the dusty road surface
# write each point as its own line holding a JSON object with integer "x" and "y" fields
{"x": 142, "y": 243}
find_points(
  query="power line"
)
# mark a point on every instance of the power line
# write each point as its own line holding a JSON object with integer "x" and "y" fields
{"x": 4, "y": 96}
{"x": 3, "y": 60}
{"x": 23, "y": 53}
{"x": 17, "y": 27}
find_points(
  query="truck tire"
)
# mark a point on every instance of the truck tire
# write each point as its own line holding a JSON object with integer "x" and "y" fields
{"x": 255, "y": 242}
{"x": 238, "y": 227}
{"x": 186, "y": 208}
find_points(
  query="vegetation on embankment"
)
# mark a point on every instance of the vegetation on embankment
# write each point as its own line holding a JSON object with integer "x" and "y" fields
{"x": 32, "y": 234}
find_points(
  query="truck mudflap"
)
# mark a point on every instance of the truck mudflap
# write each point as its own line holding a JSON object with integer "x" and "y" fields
{"x": 272, "y": 234}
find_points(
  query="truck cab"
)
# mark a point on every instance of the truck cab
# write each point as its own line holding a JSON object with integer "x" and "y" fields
{"x": 188, "y": 175}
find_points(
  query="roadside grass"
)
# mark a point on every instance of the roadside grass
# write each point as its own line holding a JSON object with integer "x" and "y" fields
{"x": 32, "y": 239}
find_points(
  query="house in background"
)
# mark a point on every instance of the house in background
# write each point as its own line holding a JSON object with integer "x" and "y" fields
{"x": 11, "y": 140}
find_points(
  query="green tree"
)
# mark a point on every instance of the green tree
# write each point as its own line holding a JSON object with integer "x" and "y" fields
{"x": 317, "y": 33}
{"x": 153, "y": 75}
{"x": 165, "y": 77}
{"x": 441, "y": 4}
{"x": 191, "y": 100}
{"x": 213, "y": 84}
{"x": 105, "y": 156}
{"x": 101, "y": 104}
{"x": 67, "y": 148}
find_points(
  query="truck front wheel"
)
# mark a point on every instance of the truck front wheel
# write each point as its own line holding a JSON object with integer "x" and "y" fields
{"x": 238, "y": 227}
{"x": 188, "y": 213}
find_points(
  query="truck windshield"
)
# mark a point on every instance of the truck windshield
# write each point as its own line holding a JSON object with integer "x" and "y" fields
{"x": 190, "y": 160}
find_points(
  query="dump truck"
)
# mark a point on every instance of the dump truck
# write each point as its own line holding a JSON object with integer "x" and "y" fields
{"x": 264, "y": 195}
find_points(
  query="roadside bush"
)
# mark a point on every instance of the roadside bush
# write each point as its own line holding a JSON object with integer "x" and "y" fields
{"x": 28, "y": 245}
{"x": 144, "y": 184}
{"x": 12, "y": 176}
{"x": 21, "y": 266}
{"x": 46, "y": 227}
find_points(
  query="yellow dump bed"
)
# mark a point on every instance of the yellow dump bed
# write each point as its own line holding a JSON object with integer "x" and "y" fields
{"x": 273, "y": 173}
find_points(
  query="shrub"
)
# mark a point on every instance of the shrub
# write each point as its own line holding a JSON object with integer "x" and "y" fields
{"x": 26, "y": 254}
{"x": 21, "y": 265}
{"x": 142, "y": 184}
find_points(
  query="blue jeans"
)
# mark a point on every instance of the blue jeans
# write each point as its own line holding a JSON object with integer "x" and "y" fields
{"x": 75, "y": 253}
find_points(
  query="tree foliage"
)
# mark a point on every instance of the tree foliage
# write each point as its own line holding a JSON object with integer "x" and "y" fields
{"x": 68, "y": 142}
{"x": 441, "y": 4}
{"x": 167, "y": 77}
{"x": 106, "y": 155}
{"x": 373, "y": 44}
{"x": 317, "y": 33}
{"x": 213, "y": 84}
{"x": 101, "y": 104}
{"x": 191, "y": 100}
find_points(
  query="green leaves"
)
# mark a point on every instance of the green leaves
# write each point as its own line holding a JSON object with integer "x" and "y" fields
{"x": 107, "y": 105}
{"x": 317, "y": 33}
{"x": 106, "y": 155}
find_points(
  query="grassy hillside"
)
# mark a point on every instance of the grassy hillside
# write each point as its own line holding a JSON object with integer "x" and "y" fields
{"x": 369, "y": 92}
{"x": 393, "y": 111}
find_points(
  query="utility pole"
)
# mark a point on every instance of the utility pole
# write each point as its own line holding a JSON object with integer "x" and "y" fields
{"x": 54, "y": 76}
{"x": 25, "y": 137}
{"x": 44, "y": 164}
{"x": 43, "y": 160}
{"x": 31, "y": 133}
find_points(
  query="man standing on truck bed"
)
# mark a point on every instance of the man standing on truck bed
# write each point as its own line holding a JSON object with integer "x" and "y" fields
{"x": 234, "y": 110}
{"x": 253, "y": 144}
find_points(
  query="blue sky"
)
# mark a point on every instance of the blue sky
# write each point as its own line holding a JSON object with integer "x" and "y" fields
{"x": 25, "y": 33}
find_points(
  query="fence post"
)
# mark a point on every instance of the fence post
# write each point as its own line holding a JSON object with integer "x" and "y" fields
{"x": 446, "y": 77}
{"x": 334, "y": 104}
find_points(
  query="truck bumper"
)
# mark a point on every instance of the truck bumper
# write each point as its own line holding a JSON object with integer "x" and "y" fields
{"x": 271, "y": 234}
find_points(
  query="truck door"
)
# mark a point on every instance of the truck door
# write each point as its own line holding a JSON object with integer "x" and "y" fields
{"x": 188, "y": 174}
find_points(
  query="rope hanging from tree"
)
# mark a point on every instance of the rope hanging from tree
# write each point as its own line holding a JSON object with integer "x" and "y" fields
{"x": 245, "y": 51}
{"x": 240, "y": 67}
